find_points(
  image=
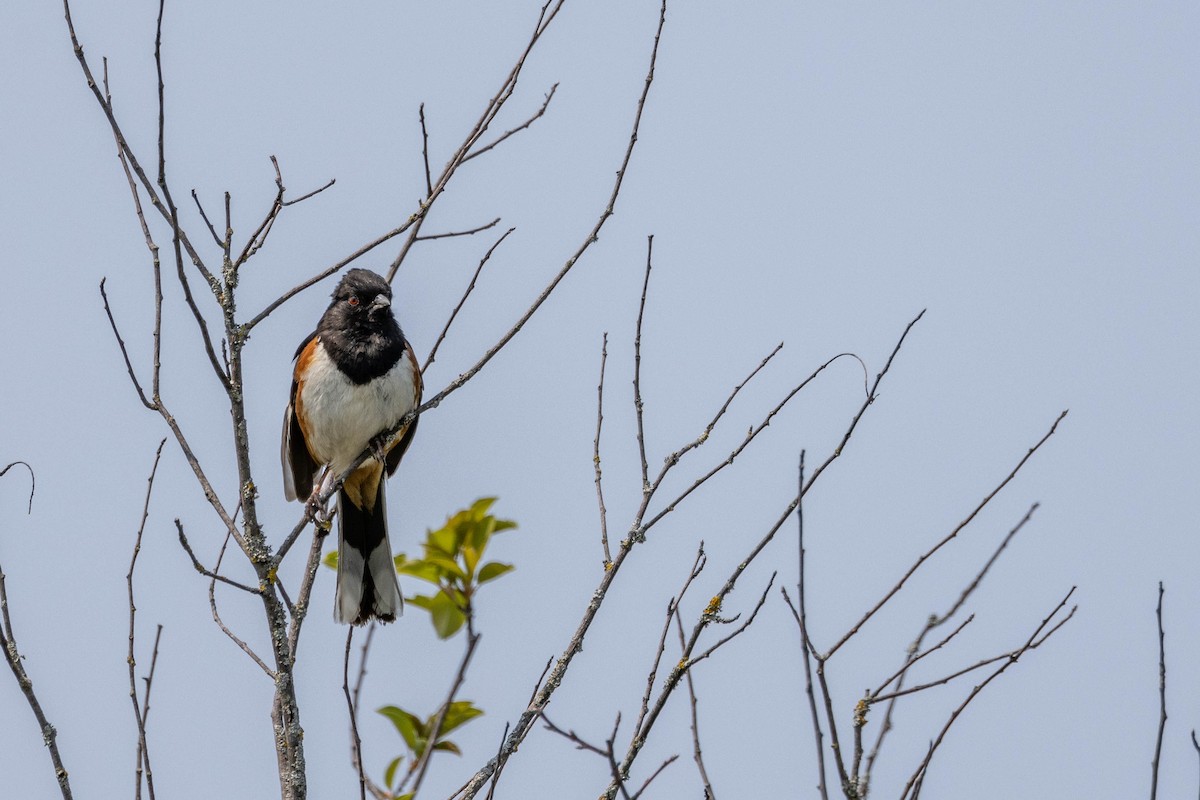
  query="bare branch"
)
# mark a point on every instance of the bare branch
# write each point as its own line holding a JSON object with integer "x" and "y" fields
{"x": 470, "y": 288}
{"x": 1032, "y": 642}
{"x": 352, "y": 698}
{"x": 639, "y": 729}
{"x": 596, "y": 453}
{"x": 313, "y": 193}
{"x": 436, "y": 729}
{"x": 1195, "y": 744}
{"x": 139, "y": 713}
{"x": 187, "y": 547}
{"x": 137, "y": 385}
{"x": 573, "y": 737}
{"x": 355, "y": 741}
{"x": 946, "y": 540}
{"x": 302, "y": 597}
{"x": 499, "y": 748}
{"x": 1162, "y": 696}
{"x": 214, "y": 576}
{"x": 751, "y": 435}
{"x": 806, "y": 646}
{"x": 8, "y": 642}
{"x": 32, "y": 481}
{"x": 452, "y": 234}
{"x": 697, "y": 753}
{"x": 425, "y": 150}
{"x": 871, "y": 395}
{"x": 518, "y": 129}
{"x": 737, "y": 631}
{"x": 204, "y": 216}
{"x": 637, "y": 370}
{"x": 646, "y": 784}
{"x": 931, "y": 623}
{"x": 878, "y": 693}
{"x": 708, "y": 429}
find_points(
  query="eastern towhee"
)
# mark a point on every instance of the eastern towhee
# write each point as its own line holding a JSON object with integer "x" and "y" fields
{"x": 355, "y": 377}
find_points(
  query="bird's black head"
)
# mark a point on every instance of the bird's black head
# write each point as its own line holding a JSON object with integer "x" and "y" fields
{"x": 359, "y": 329}
{"x": 362, "y": 299}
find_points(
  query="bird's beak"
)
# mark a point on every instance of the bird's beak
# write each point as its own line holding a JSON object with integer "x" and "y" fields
{"x": 380, "y": 302}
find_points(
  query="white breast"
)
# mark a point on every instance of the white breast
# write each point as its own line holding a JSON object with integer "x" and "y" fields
{"x": 343, "y": 416}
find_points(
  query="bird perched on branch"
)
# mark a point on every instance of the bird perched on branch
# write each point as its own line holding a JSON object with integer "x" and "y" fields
{"x": 356, "y": 377}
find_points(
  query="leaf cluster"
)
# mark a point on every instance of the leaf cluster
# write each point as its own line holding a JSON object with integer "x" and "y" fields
{"x": 453, "y": 561}
{"x": 416, "y": 734}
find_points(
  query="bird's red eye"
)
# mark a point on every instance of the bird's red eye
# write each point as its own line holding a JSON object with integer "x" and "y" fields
{"x": 352, "y": 300}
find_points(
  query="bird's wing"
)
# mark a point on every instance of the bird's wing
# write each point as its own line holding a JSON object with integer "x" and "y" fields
{"x": 299, "y": 467}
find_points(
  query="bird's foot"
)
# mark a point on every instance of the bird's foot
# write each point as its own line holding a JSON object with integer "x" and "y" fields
{"x": 379, "y": 447}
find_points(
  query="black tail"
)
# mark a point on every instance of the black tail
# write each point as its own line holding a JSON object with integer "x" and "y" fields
{"x": 366, "y": 582}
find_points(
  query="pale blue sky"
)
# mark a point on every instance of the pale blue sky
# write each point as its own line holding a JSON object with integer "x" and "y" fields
{"x": 812, "y": 173}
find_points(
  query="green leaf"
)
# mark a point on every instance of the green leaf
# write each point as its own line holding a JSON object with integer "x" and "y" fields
{"x": 419, "y": 569}
{"x": 448, "y": 566}
{"x": 408, "y": 796}
{"x": 442, "y": 542}
{"x": 470, "y": 556}
{"x": 389, "y": 776}
{"x": 330, "y": 559}
{"x": 503, "y": 525}
{"x": 459, "y": 713}
{"x": 448, "y": 746}
{"x": 493, "y": 570}
{"x": 411, "y": 729}
{"x": 445, "y": 614}
{"x": 480, "y": 507}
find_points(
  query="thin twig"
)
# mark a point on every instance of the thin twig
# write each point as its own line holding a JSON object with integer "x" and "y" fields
{"x": 149, "y": 681}
{"x": 137, "y": 385}
{"x": 435, "y": 730}
{"x": 878, "y": 693}
{"x": 8, "y": 643}
{"x": 212, "y": 604}
{"x": 537, "y": 115}
{"x": 619, "y": 776}
{"x": 139, "y": 715}
{"x": 712, "y": 424}
{"x": 32, "y": 481}
{"x": 872, "y": 394}
{"x": 354, "y": 696}
{"x": 1162, "y": 696}
{"x": 646, "y": 784}
{"x": 1032, "y": 642}
{"x": 697, "y": 752}
{"x": 1195, "y": 744}
{"x": 425, "y": 150}
{"x": 313, "y": 193}
{"x": 751, "y": 435}
{"x": 204, "y": 216}
{"x": 452, "y": 234}
{"x": 496, "y": 775}
{"x": 806, "y": 646}
{"x": 931, "y": 623}
{"x": 187, "y": 547}
{"x": 672, "y": 610}
{"x": 467, "y": 293}
{"x": 637, "y": 369}
{"x": 596, "y": 453}
{"x": 354, "y": 737}
{"x": 944, "y": 541}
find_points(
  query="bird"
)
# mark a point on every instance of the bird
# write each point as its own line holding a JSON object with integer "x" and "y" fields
{"x": 355, "y": 377}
